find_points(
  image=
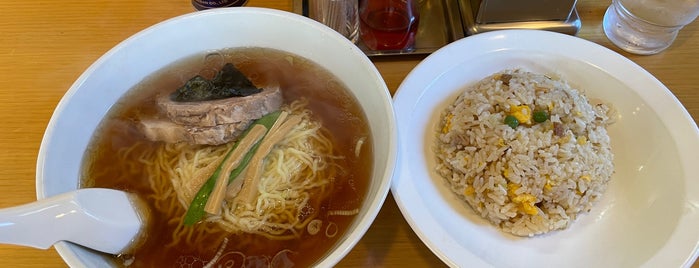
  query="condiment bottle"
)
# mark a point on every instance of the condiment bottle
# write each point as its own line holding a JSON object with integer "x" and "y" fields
{"x": 206, "y": 4}
{"x": 389, "y": 24}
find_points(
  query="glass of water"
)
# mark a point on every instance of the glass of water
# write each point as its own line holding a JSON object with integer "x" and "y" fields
{"x": 340, "y": 15}
{"x": 647, "y": 26}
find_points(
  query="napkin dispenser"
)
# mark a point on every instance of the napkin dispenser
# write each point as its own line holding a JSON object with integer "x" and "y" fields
{"x": 488, "y": 15}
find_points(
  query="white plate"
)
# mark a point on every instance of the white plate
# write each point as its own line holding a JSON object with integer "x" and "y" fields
{"x": 649, "y": 215}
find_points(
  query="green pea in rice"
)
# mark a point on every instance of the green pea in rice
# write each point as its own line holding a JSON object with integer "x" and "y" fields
{"x": 535, "y": 177}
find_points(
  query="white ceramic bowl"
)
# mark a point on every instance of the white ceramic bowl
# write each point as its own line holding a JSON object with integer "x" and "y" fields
{"x": 101, "y": 85}
{"x": 649, "y": 215}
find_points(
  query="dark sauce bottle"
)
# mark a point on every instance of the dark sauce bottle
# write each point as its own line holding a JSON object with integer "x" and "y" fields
{"x": 207, "y": 4}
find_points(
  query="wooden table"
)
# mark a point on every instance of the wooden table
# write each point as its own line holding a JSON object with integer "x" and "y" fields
{"x": 46, "y": 45}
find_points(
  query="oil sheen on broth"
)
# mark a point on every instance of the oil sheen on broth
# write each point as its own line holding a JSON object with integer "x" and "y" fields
{"x": 118, "y": 158}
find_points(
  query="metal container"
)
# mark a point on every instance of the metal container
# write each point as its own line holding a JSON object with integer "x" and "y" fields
{"x": 488, "y": 15}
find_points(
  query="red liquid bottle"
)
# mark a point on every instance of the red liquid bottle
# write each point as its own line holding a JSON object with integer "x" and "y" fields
{"x": 389, "y": 24}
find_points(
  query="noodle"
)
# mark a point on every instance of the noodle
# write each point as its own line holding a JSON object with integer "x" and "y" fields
{"x": 213, "y": 261}
{"x": 307, "y": 177}
{"x": 343, "y": 212}
{"x": 159, "y": 165}
{"x": 299, "y": 167}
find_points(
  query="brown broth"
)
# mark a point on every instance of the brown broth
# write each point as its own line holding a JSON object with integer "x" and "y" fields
{"x": 330, "y": 102}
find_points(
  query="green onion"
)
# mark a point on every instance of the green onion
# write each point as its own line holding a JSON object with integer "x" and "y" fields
{"x": 511, "y": 121}
{"x": 196, "y": 208}
{"x": 540, "y": 116}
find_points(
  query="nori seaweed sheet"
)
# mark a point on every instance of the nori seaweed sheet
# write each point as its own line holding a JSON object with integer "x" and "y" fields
{"x": 229, "y": 82}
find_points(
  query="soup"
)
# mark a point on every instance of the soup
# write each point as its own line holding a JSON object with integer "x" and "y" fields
{"x": 285, "y": 224}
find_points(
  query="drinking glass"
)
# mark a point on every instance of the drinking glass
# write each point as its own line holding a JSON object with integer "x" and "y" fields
{"x": 340, "y": 15}
{"x": 647, "y": 26}
{"x": 389, "y": 24}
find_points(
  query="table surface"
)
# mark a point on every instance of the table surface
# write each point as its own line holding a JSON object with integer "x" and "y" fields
{"x": 46, "y": 45}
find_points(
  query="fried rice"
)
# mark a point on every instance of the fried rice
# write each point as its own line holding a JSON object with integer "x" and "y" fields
{"x": 534, "y": 175}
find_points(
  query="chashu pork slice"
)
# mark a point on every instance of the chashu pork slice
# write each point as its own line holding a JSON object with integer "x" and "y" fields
{"x": 223, "y": 111}
{"x": 162, "y": 129}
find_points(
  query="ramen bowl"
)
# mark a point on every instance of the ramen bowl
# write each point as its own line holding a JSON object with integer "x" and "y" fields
{"x": 82, "y": 109}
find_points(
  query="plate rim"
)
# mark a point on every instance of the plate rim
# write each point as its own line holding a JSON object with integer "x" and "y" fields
{"x": 586, "y": 51}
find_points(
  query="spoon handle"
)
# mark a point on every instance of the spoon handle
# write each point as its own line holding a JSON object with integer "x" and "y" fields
{"x": 102, "y": 219}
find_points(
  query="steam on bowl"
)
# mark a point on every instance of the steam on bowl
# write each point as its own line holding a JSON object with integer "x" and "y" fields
{"x": 67, "y": 152}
